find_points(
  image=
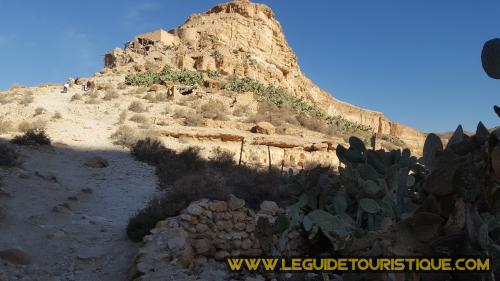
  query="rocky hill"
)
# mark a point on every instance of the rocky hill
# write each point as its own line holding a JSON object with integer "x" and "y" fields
{"x": 244, "y": 39}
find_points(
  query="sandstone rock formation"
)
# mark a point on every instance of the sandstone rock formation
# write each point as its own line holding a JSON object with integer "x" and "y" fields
{"x": 245, "y": 39}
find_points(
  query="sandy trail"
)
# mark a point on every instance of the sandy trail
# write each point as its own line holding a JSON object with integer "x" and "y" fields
{"x": 88, "y": 240}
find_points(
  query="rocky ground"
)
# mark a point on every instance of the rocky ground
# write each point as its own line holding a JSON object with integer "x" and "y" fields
{"x": 67, "y": 210}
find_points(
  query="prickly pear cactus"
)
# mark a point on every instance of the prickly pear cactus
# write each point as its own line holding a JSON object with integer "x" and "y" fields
{"x": 490, "y": 58}
{"x": 371, "y": 191}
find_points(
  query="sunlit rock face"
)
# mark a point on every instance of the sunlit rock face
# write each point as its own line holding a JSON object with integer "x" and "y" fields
{"x": 245, "y": 39}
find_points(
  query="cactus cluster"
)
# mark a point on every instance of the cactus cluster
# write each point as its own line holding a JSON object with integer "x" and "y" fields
{"x": 373, "y": 190}
{"x": 280, "y": 96}
{"x": 459, "y": 209}
{"x": 389, "y": 203}
{"x": 490, "y": 58}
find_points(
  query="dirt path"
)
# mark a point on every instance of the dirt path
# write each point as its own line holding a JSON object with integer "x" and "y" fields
{"x": 68, "y": 217}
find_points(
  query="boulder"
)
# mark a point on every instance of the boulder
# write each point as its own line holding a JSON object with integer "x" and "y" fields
{"x": 201, "y": 246}
{"x": 264, "y": 128}
{"x": 177, "y": 239}
{"x": 235, "y": 203}
{"x": 194, "y": 209}
{"x": 156, "y": 88}
{"x": 16, "y": 256}
{"x": 104, "y": 86}
{"x": 96, "y": 162}
{"x": 218, "y": 206}
{"x": 269, "y": 208}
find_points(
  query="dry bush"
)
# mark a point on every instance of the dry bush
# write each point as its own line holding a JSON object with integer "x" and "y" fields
{"x": 93, "y": 94}
{"x": 314, "y": 124}
{"x": 16, "y": 86}
{"x": 111, "y": 94}
{"x": 6, "y": 126}
{"x": 32, "y": 137}
{"x": 92, "y": 101}
{"x": 241, "y": 111}
{"x": 26, "y": 100}
{"x": 278, "y": 116}
{"x": 76, "y": 97}
{"x": 187, "y": 177}
{"x": 8, "y": 155}
{"x": 121, "y": 86}
{"x": 139, "y": 118}
{"x": 169, "y": 108}
{"x": 6, "y": 97}
{"x": 57, "y": 115}
{"x": 188, "y": 100}
{"x": 39, "y": 111}
{"x": 105, "y": 86}
{"x": 138, "y": 91}
{"x": 123, "y": 117}
{"x": 156, "y": 97}
{"x": 222, "y": 158}
{"x": 36, "y": 125}
{"x": 214, "y": 109}
{"x": 137, "y": 107}
{"x": 191, "y": 118}
{"x": 125, "y": 136}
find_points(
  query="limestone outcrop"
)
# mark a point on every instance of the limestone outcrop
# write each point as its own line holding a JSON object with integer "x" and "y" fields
{"x": 245, "y": 39}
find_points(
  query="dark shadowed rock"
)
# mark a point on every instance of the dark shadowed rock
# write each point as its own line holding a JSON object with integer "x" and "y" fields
{"x": 490, "y": 58}
{"x": 15, "y": 256}
{"x": 96, "y": 162}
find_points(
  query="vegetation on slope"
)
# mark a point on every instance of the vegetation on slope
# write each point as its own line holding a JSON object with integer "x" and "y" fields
{"x": 265, "y": 93}
{"x": 186, "y": 177}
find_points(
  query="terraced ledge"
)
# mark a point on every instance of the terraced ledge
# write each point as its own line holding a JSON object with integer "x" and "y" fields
{"x": 232, "y": 135}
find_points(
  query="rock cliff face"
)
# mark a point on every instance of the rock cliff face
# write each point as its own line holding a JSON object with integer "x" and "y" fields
{"x": 245, "y": 39}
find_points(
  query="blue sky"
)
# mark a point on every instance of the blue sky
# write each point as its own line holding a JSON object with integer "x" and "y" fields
{"x": 416, "y": 61}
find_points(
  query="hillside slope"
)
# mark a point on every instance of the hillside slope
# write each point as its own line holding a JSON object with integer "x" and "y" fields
{"x": 244, "y": 39}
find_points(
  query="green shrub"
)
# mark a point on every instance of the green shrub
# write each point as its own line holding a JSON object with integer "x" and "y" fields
{"x": 8, "y": 155}
{"x": 32, "y": 137}
{"x": 186, "y": 177}
{"x": 222, "y": 158}
{"x": 144, "y": 220}
{"x": 214, "y": 74}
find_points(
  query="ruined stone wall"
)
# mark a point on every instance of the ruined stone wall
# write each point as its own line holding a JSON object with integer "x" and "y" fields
{"x": 212, "y": 230}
